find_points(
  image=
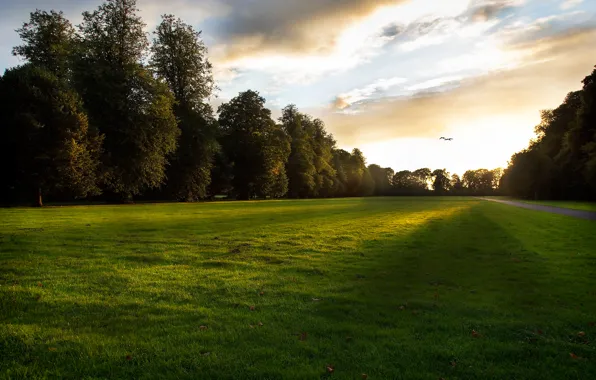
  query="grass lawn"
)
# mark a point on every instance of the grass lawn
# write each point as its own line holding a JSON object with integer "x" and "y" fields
{"x": 395, "y": 288}
{"x": 588, "y": 206}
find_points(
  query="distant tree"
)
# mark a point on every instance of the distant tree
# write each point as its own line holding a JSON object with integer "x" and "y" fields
{"x": 441, "y": 182}
{"x": 423, "y": 178}
{"x": 48, "y": 42}
{"x": 355, "y": 171}
{"x": 127, "y": 104}
{"x": 300, "y": 167}
{"x": 405, "y": 182}
{"x": 341, "y": 164}
{"x": 179, "y": 58}
{"x": 256, "y": 147}
{"x": 367, "y": 186}
{"x": 529, "y": 175}
{"x": 383, "y": 178}
{"x": 456, "y": 183}
{"x": 47, "y": 144}
{"x": 323, "y": 147}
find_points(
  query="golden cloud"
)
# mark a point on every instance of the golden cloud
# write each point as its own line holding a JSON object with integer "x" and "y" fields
{"x": 552, "y": 67}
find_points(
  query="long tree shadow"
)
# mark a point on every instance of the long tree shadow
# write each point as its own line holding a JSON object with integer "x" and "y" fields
{"x": 396, "y": 296}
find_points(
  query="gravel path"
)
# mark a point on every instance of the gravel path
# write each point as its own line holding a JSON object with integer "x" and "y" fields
{"x": 582, "y": 214}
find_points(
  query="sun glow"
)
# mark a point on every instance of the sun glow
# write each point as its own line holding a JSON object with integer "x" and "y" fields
{"x": 482, "y": 143}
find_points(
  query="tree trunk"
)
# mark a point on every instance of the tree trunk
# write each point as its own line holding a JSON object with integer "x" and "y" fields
{"x": 39, "y": 198}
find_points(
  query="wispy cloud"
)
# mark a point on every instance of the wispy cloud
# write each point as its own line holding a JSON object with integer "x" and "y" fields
{"x": 374, "y": 89}
{"x": 568, "y": 4}
{"x": 556, "y": 65}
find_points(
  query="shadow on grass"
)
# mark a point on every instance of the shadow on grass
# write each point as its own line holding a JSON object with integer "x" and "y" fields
{"x": 393, "y": 304}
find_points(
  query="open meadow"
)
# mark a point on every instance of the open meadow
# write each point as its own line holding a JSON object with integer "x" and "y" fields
{"x": 377, "y": 288}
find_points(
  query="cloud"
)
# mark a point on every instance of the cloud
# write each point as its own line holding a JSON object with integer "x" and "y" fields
{"x": 553, "y": 67}
{"x": 434, "y": 83}
{"x": 373, "y": 90}
{"x": 568, "y": 4}
{"x": 483, "y": 10}
{"x": 306, "y": 26}
{"x": 391, "y": 31}
{"x": 409, "y": 25}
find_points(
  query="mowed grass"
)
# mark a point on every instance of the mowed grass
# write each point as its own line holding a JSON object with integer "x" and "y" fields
{"x": 394, "y": 288}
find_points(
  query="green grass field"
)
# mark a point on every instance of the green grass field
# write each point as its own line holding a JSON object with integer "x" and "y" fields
{"x": 394, "y": 288}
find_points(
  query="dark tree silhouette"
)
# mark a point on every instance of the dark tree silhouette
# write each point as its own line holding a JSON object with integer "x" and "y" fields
{"x": 124, "y": 100}
{"x": 47, "y": 144}
{"x": 179, "y": 57}
{"x": 257, "y": 148}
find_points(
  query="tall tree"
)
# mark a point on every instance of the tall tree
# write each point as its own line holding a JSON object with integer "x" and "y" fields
{"x": 368, "y": 185}
{"x": 45, "y": 138}
{"x": 441, "y": 182}
{"x": 423, "y": 178}
{"x": 586, "y": 131}
{"x": 404, "y": 182}
{"x": 323, "y": 146}
{"x": 383, "y": 178}
{"x": 48, "y": 42}
{"x": 300, "y": 167}
{"x": 341, "y": 163}
{"x": 124, "y": 100}
{"x": 456, "y": 183}
{"x": 355, "y": 172}
{"x": 257, "y": 148}
{"x": 179, "y": 57}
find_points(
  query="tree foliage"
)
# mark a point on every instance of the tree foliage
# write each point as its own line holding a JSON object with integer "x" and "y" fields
{"x": 179, "y": 58}
{"x": 257, "y": 148}
{"x": 561, "y": 162}
{"x": 48, "y": 42}
{"x": 127, "y": 104}
{"x": 46, "y": 140}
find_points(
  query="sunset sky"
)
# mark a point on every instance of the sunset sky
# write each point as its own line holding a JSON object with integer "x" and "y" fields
{"x": 387, "y": 76}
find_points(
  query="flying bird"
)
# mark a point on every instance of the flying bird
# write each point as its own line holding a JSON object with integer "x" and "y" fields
{"x": 446, "y": 139}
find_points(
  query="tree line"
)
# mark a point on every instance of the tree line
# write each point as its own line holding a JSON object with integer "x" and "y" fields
{"x": 99, "y": 110}
{"x": 561, "y": 162}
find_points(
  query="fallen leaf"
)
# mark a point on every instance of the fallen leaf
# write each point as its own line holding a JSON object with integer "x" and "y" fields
{"x": 252, "y": 308}
{"x": 206, "y": 353}
{"x": 540, "y": 332}
{"x": 316, "y": 299}
{"x": 453, "y": 364}
{"x": 303, "y": 336}
{"x": 53, "y": 349}
{"x": 581, "y": 334}
{"x": 128, "y": 357}
{"x": 330, "y": 368}
{"x": 573, "y": 356}
{"x": 203, "y": 327}
{"x": 364, "y": 376}
{"x": 262, "y": 293}
{"x": 251, "y": 326}
{"x": 402, "y": 307}
{"x": 39, "y": 284}
{"x": 475, "y": 334}
{"x": 260, "y": 323}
